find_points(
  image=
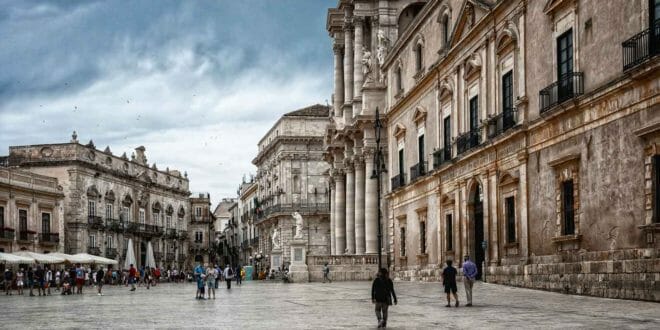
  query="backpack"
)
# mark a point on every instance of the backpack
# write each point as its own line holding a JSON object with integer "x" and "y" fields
{"x": 230, "y": 272}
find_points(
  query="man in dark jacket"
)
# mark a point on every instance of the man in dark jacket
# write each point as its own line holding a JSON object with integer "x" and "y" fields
{"x": 382, "y": 292}
{"x": 100, "y": 279}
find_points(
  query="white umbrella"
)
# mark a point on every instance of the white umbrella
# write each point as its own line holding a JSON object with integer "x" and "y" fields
{"x": 40, "y": 258}
{"x": 130, "y": 255}
{"x": 6, "y": 258}
{"x": 74, "y": 259}
{"x": 96, "y": 259}
{"x": 151, "y": 261}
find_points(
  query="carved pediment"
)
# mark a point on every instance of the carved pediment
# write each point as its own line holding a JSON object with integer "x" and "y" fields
{"x": 553, "y": 5}
{"x": 419, "y": 116}
{"x": 471, "y": 12}
{"x": 399, "y": 131}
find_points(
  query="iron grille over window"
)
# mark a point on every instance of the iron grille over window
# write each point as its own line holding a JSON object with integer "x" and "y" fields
{"x": 568, "y": 208}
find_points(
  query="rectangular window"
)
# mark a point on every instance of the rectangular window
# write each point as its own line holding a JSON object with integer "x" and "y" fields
{"x": 565, "y": 65}
{"x": 126, "y": 214}
{"x": 198, "y": 211}
{"x": 110, "y": 241}
{"x": 510, "y": 214}
{"x": 474, "y": 113}
{"x": 91, "y": 208}
{"x": 568, "y": 207}
{"x": 178, "y": 224}
{"x": 199, "y": 237}
{"x": 445, "y": 30}
{"x": 109, "y": 211}
{"x": 92, "y": 240}
{"x": 420, "y": 151}
{"x": 422, "y": 237}
{"x": 447, "y": 135}
{"x": 656, "y": 188}
{"x": 403, "y": 241}
{"x": 2, "y": 217}
{"x": 449, "y": 232}
{"x": 168, "y": 223}
{"x": 154, "y": 218}
{"x": 401, "y": 164}
{"x": 142, "y": 216}
{"x": 399, "y": 83}
{"x": 418, "y": 57}
{"x": 507, "y": 100}
{"x": 45, "y": 223}
{"x": 22, "y": 220}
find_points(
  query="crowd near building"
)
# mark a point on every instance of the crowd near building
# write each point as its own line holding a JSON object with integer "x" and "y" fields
{"x": 74, "y": 198}
{"x": 522, "y": 133}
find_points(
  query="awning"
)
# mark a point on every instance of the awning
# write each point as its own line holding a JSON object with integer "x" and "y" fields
{"x": 96, "y": 259}
{"x": 40, "y": 257}
{"x": 72, "y": 258}
{"x": 6, "y": 258}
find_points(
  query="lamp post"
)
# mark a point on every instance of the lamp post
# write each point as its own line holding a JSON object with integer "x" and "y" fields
{"x": 379, "y": 169}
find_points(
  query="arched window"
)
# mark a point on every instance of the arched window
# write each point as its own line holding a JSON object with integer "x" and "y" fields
{"x": 398, "y": 82}
{"x": 418, "y": 57}
{"x": 445, "y": 30}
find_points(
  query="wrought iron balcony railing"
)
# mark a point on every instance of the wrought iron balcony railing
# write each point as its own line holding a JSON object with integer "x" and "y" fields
{"x": 304, "y": 208}
{"x": 171, "y": 233}
{"x": 567, "y": 87}
{"x": 441, "y": 156}
{"x": 183, "y": 235}
{"x": 7, "y": 234}
{"x": 158, "y": 255}
{"x": 110, "y": 253}
{"x": 26, "y": 236}
{"x": 417, "y": 171}
{"x": 115, "y": 225}
{"x": 94, "y": 250}
{"x": 641, "y": 46}
{"x": 49, "y": 238}
{"x": 95, "y": 221}
{"x": 502, "y": 122}
{"x": 468, "y": 141}
{"x": 398, "y": 181}
{"x": 169, "y": 256}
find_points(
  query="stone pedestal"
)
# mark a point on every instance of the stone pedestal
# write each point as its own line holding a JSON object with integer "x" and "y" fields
{"x": 276, "y": 259}
{"x": 298, "y": 272}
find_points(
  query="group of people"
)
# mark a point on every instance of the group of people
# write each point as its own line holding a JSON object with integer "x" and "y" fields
{"x": 383, "y": 295}
{"x": 207, "y": 278}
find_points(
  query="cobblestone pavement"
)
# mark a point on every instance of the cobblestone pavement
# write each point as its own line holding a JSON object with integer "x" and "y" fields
{"x": 261, "y": 305}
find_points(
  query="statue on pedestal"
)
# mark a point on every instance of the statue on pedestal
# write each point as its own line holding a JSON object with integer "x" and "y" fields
{"x": 299, "y": 225}
{"x": 276, "y": 240}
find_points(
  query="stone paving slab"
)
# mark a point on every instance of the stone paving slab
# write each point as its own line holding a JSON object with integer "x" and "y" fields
{"x": 273, "y": 305}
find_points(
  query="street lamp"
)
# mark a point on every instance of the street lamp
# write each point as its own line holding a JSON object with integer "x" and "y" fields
{"x": 379, "y": 169}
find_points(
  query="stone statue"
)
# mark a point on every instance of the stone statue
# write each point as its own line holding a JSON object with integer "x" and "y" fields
{"x": 383, "y": 44}
{"x": 276, "y": 239}
{"x": 299, "y": 224}
{"x": 366, "y": 65}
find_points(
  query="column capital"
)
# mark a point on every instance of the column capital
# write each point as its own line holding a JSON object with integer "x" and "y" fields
{"x": 348, "y": 166}
{"x": 358, "y": 161}
{"x": 348, "y": 25}
{"x": 338, "y": 175}
{"x": 338, "y": 49}
{"x": 358, "y": 21}
{"x": 374, "y": 21}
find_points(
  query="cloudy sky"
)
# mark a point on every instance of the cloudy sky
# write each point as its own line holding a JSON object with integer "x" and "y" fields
{"x": 196, "y": 82}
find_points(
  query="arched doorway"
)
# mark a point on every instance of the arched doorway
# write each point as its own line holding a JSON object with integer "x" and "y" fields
{"x": 477, "y": 235}
{"x": 143, "y": 254}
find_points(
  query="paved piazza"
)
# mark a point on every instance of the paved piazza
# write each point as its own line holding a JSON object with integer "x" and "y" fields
{"x": 261, "y": 305}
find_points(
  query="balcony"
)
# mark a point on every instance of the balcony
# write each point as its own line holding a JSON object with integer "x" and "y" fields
{"x": 417, "y": 171}
{"x": 201, "y": 218}
{"x": 170, "y": 233}
{"x": 502, "y": 122}
{"x": 567, "y": 87}
{"x": 468, "y": 141}
{"x": 441, "y": 156}
{"x": 94, "y": 250}
{"x": 158, "y": 255}
{"x": 110, "y": 253}
{"x": 398, "y": 181}
{"x": 95, "y": 222}
{"x": 169, "y": 256}
{"x": 641, "y": 47}
{"x": 26, "y": 236}
{"x": 183, "y": 235}
{"x": 132, "y": 227}
{"x": 49, "y": 238}
{"x": 254, "y": 241}
{"x": 304, "y": 208}
{"x": 115, "y": 225}
{"x": 7, "y": 234}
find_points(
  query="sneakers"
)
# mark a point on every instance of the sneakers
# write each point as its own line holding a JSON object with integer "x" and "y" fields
{"x": 98, "y": 294}
{"x": 448, "y": 305}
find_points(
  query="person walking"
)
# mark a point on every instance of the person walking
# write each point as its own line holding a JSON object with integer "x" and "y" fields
{"x": 238, "y": 272}
{"x": 20, "y": 281}
{"x": 382, "y": 292}
{"x": 218, "y": 271}
{"x": 449, "y": 282}
{"x": 100, "y": 276}
{"x": 9, "y": 276}
{"x": 30, "y": 280}
{"x": 211, "y": 275}
{"x": 470, "y": 275}
{"x": 49, "y": 280}
{"x": 229, "y": 275}
{"x": 39, "y": 280}
{"x": 197, "y": 275}
{"x": 58, "y": 279}
{"x": 80, "y": 278}
{"x": 132, "y": 272}
{"x": 326, "y": 273}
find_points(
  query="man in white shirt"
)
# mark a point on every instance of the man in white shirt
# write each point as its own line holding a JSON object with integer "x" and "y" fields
{"x": 229, "y": 275}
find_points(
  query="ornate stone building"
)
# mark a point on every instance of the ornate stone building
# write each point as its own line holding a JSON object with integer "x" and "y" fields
{"x": 109, "y": 199}
{"x": 521, "y": 133}
{"x": 290, "y": 178}
{"x": 31, "y": 212}
{"x": 201, "y": 230}
{"x": 223, "y": 217}
{"x": 247, "y": 233}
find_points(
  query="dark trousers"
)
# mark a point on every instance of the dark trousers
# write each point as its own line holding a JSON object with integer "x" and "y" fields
{"x": 381, "y": 312}
{"x": 228, "y": 284}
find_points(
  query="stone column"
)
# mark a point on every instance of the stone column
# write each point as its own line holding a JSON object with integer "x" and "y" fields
{"x": 348, "y": 62}
{"x": 524, "y": 225}
{"x": 340, "y": 214}
{"x": 359, "y": 207}
{"x": 358, "y": 21}
{"x": 350, "y": 209}
{"x": 339, "y": 78}
{"x": 332, "y": 219}
{"x": 370, "y": 207}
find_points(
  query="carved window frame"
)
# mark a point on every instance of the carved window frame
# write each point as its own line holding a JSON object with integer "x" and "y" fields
{"x": 508, "y": 188}
{"x": 567, "y": 168}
